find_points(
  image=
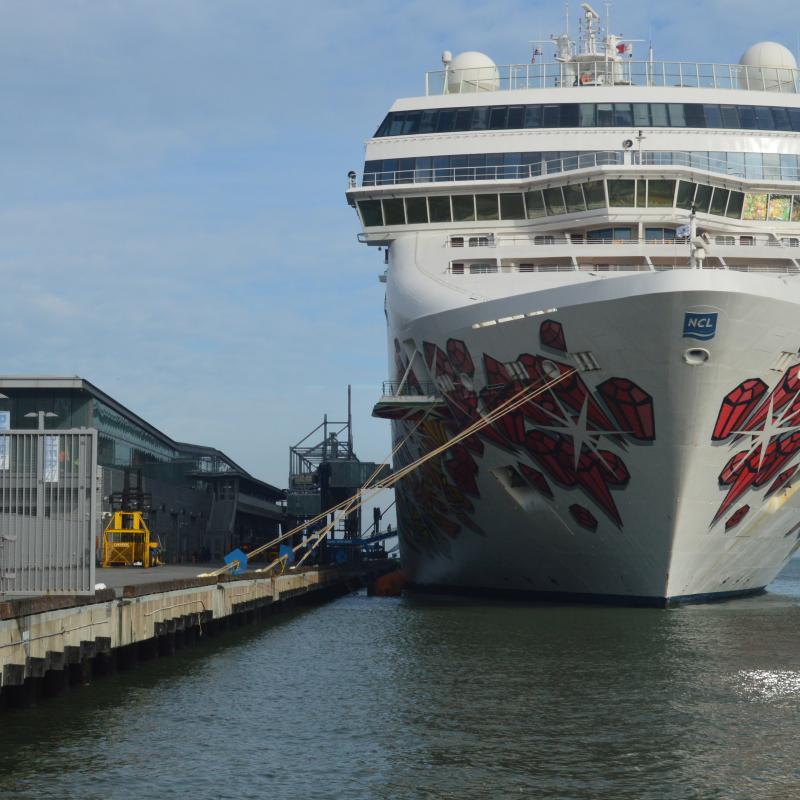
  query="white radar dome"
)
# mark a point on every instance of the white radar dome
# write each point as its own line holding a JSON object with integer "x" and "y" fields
{"x": 768, "y": 54}
{"x": 768, "y": 67}
{"x": 472, "y": 72}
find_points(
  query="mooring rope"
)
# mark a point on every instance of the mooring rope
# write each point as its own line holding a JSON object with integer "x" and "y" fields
{"x": 525, "y": 395}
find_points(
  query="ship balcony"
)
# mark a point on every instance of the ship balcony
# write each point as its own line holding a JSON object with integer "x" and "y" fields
{"x": 408, "y": 400}
{"x": 583, "y": 75}
{"x": 509, "y": 254}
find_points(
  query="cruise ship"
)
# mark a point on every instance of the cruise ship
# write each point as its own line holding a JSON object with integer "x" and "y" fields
{"x": 632, "y": 226}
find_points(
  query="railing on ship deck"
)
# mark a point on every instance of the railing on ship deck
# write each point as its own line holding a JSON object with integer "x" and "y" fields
{"x": 613, "y": 73}
{"x": 601, "y": 158}
{"x": 542, "y": 240}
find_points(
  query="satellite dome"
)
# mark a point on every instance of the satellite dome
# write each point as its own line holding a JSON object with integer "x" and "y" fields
{"x": 768, "y": 67}
{"x": 472, "y": 72}
{"x": 768, "y": 54}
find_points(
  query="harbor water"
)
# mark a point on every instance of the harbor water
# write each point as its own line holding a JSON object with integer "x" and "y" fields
{"x": 440, "y": 698}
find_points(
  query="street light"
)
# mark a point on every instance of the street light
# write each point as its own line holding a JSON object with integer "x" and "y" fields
{"x": 42, "y": 416}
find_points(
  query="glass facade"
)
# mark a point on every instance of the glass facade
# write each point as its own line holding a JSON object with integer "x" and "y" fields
{"x": 574, "y": 198}
{"x": 123, "y": 441}
{"x": 518, "y": 165}
{"x": 590, "y": 115}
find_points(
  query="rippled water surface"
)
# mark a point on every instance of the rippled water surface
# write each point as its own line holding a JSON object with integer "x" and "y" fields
{"x": 440, "y": 698}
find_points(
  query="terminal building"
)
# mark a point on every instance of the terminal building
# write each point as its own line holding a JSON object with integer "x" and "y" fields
{"x": 203, "y": 504}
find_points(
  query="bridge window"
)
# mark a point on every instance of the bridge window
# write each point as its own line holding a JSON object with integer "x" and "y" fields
{"x": 621, "y": 193}
{"x": 371, "y": 214}
{"x": 554, "y": 201}
{"x": 463, "y": 207}
{"x": 439, "y": 208}
{"x": 573, "y": 197}
{"x": 393, "y": 212}
{"x": 702, "y": 198}
{"x": 735, "y": 205}
{"x": 486, "y": 206}
{"x": 719, "y": 202}
{"x": 660, "y": 193}
{"x": 579, "y": 197}
{"x": 511, "y": 206}
{"x": 595, "y": 193}
{"x": 534, "y": 204}
{"x": 416, "y": 210}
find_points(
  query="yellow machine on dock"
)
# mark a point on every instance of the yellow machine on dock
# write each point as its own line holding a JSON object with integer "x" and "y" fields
{"x": 128, "y": 542}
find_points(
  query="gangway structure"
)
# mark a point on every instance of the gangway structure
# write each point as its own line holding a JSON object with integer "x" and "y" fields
{"x": 324, "y": 471}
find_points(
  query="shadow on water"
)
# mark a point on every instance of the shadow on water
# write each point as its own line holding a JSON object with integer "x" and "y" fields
{"x": 433, "y": 697}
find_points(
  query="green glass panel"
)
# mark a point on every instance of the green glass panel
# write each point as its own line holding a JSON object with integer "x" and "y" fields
{"x": 735, "y": 205}
{"x": 573, "y": 197}
{"x": 703, "y": 198}
{"x": 595, "y": 194}
{"x": 795, "y": 209}
{"x": 371, "y": 213}
{"x": 719, "y": 201}
{"x": 393, "y": 212}
{"x": 685, "y": 195}
{"x": 534, "y": 204}
{"x": 641, "y": 193}
{"x": 511, "y": 206}
{"x": 463, "y": 207}
{"x": 440, "y": 209}
{"x": 621, "y": 193}
{"x": 660, "y": 194}
{"x": 554, "y": 201}
{"x": 486, "y": 205}
{"x": 416, "y": 210}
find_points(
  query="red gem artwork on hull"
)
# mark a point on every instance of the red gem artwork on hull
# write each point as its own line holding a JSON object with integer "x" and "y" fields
{"x": 583, "y": 517}
{"x": 764, "y": 426}
{"x": 781, "y": 481}
{"x": 551, "y": 334}
{"x": 535, "y": 479}
{"x": 561, "y": 431}
{"x": 736, "y": 517}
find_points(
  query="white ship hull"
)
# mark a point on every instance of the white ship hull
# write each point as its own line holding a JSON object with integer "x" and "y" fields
{"x": 660, "y": 508}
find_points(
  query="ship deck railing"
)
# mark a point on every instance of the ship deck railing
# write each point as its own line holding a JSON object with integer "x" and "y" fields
{"x": 551, "y": 239}
{"x": 410, "y": 389}
{"x": 602, "y": 158}
{"x": 581, "y": 75}
{"x": 653, "y": 265}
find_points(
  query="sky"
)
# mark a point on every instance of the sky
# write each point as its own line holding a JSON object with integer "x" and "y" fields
{"x": 173, "y": 223}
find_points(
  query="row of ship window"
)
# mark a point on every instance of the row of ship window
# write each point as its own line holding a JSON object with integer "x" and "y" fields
{"x": 575, "y": 198}
{"x": 510, "y": 166}
{"x": 590, "y": 115}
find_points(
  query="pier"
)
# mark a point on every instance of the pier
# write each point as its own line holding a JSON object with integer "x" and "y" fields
{"x": 48, "y": 643}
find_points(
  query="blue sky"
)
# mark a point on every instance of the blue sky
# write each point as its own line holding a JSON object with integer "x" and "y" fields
{"x": 173, "y": 224}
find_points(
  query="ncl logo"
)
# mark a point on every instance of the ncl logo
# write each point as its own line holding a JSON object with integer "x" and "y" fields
{"x": 699, "y": 326}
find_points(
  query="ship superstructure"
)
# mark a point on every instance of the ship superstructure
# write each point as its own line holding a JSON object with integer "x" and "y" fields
{"x": 639, "y": 222}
